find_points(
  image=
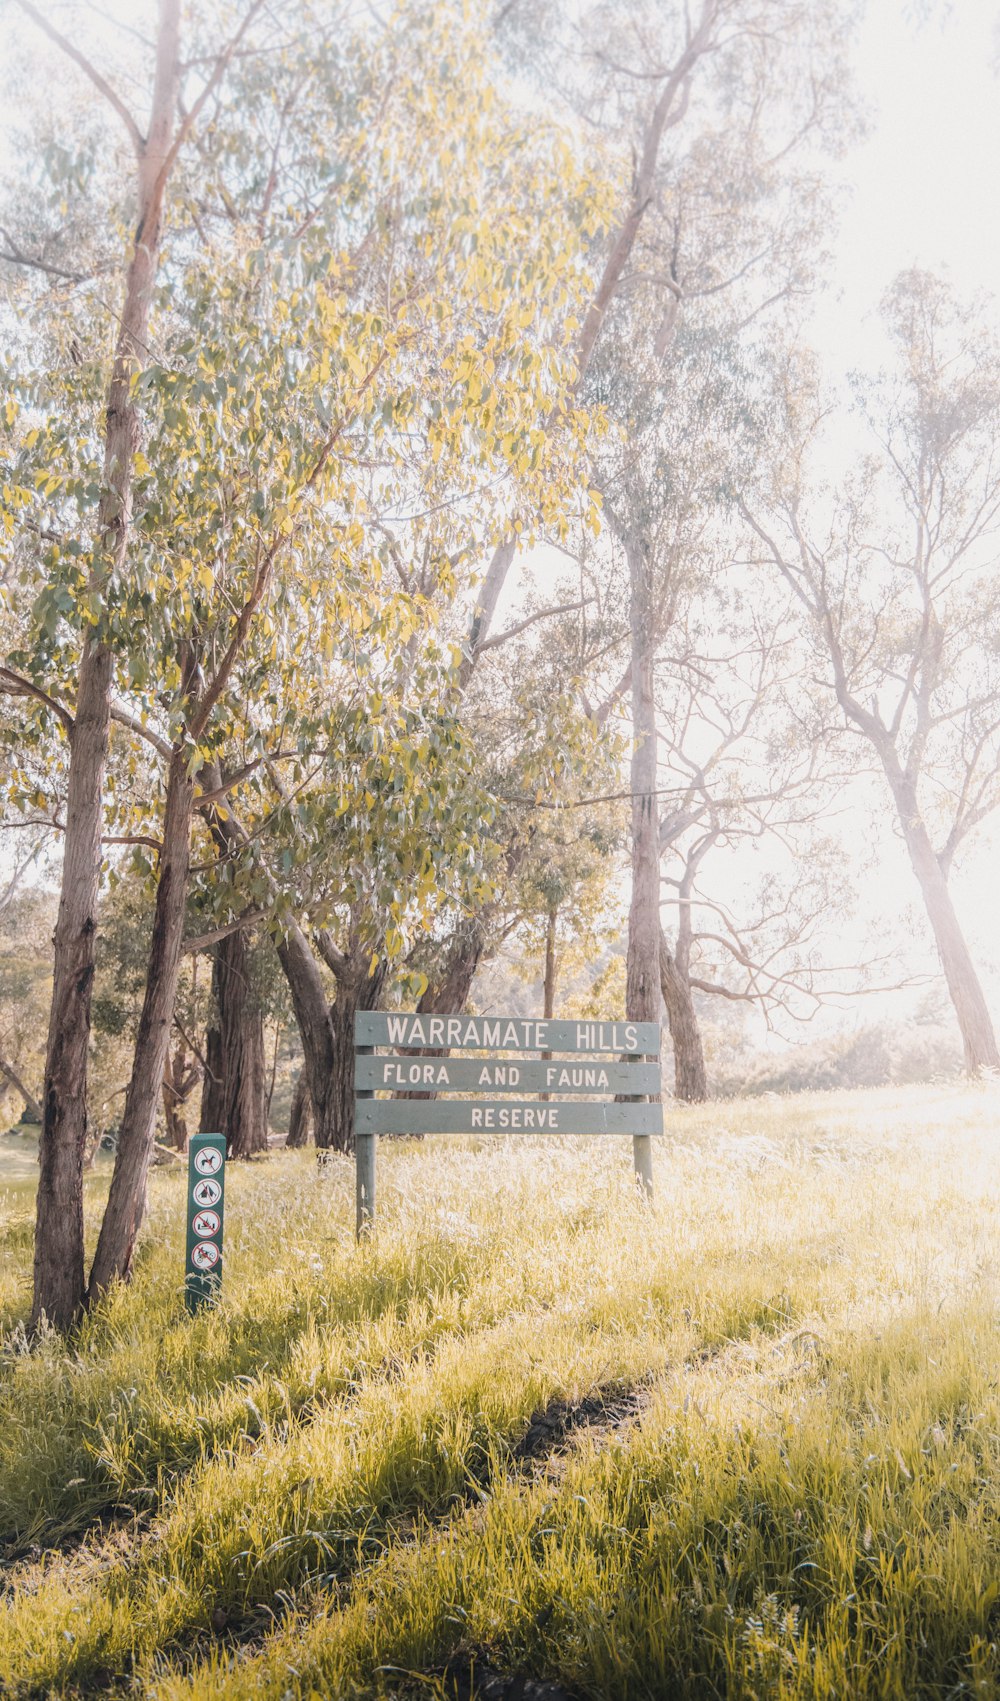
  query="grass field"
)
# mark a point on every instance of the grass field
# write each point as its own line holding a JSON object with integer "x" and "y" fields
{"x": 746, "y": 1444}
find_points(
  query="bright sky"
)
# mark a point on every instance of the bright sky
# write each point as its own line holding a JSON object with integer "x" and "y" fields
{"x": 923, "y": 186}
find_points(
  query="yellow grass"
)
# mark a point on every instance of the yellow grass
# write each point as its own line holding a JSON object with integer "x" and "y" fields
{"x": 784, "y": 1480}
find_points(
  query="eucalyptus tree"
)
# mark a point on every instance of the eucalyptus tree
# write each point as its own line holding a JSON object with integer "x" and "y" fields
{"x": 731, "y": 214}
{"x": 895, "y": 572}
{"x": 339, "y": 337}
{"x": 746, "y": 786}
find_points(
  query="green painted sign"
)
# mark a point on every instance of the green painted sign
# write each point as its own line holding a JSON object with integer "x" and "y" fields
{"x": 504, "y": 1033}
{"x": 206, "y": 1189}
{"x": 494, "y": 1075}
{"x": 583, "y": 1060}
{"x": 530, "y": 1116}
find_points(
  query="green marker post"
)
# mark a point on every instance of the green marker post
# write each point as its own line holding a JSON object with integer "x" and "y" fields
{"x": 206, "y": 1189}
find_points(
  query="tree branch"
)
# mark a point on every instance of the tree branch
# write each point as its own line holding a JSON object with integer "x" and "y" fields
{"x": 521, "y": 626}
{"x": 100, "y": 83}
{"x": 16, "y": 685}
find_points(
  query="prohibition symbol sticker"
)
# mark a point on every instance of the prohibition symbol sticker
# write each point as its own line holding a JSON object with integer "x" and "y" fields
{"x": 208, "y": 1161}
{"x": 206, "y": 1192}
{"x": 206, "y": 1224}
{"x": 205, "y": 1255}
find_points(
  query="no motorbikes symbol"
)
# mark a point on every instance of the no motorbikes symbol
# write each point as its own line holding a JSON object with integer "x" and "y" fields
{"x": 205, "y": 1255}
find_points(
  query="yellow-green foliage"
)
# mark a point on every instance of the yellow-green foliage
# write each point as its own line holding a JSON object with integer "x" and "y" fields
{"x": 316, "y": 1491}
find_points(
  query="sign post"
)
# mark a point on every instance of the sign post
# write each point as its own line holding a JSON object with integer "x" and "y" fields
{"x": 364, "y": 1156}
{"x": 592, "y": 1078}
{"x": 205, "y": 1200}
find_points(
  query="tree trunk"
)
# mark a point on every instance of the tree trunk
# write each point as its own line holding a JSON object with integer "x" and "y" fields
{"x": 179, "y": 1080}
{"x": 59, "y": 1269}
{"x": 449, "y": 993}
{"x": 975, "y": 1024}
{"x": 549, "y": 983}
{"x": 301, "y": 1117}
{"x": 32, "y": 1109}
{"x": 642, "y": 964}
{"x": 127, "y": 1199}
{"x": 690, "y": 1079}
{"x": 236, "y": 1104}
{"x": 356, "y": 990}
{"x": 313, "y": 1015}
{"x": 211, "y": 1116}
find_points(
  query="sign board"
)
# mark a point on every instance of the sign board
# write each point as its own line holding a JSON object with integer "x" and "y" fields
{"x": 490, "y": 1075}
{"x": 504, "y": 1033}
{"x": 527, "y": 1116}
{"x": 205, "y": 1198}
{"x": 592, "y": 1078}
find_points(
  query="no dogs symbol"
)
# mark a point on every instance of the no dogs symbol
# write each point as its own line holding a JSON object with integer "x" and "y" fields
{"x": 208, "y": 1161}
{"x": 206, "y": 1192}
{"x": 205, "y": 1255}
{"x": 206, "y": 1224}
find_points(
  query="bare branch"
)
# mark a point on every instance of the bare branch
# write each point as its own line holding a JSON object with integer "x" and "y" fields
{"x": 100, "y": 83}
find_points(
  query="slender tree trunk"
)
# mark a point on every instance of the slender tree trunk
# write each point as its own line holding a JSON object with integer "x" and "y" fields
{"x": 690, "y": 1079}
{"x": 236, "y": 1105}
{"x": 59, "y": 1268}
{"x": 211, "y": 1116}
{"x": 32, "y": 1109}
{"x": 127, "y": 1199}
{"x": 642, "y": 963}
{"x": 549, "y": 983}
{"x": 549, "y": 980}
{"x": 300, "y": 1119}
{"x": 975, "y": 1024}
{"x": 177, "y": 1085}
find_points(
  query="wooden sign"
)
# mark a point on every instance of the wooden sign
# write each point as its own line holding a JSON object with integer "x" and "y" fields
{"x": 489, "y": 1075}
{"x": 526, "y": 1116}
{"x": 206, "y": 1191}
{"x": 504, "y": 1033}
{"x": 608, "y": 1086}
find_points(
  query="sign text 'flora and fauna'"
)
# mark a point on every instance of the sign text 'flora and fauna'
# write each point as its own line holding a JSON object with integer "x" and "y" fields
{"x": 616, "y": 1068}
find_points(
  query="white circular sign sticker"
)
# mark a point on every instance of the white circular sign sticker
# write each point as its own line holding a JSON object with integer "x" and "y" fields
{"x": 208, "y": 1161}
{"x": 205, "y": 1255}
{"x": 206, "y": 1224}
{"x": 206, "y": 1192}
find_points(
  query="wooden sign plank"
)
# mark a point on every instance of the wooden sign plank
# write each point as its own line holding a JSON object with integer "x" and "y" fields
{"x": 492, "y": 1075}
{"x": 464, "y": 1116}
{"x": 504, "y": 1033}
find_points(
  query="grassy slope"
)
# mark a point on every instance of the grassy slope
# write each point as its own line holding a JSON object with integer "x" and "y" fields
{"x": 317, "y": 1490}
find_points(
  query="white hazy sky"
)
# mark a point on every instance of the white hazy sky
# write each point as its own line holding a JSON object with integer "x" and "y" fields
{"x": 922, "y": 189}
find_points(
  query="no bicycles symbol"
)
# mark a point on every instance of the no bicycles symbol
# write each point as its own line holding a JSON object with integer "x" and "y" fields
{"x": 206, "y": 1198}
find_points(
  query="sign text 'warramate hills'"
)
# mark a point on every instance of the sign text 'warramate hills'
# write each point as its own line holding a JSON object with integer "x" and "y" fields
{"x": 505, "y": 1033}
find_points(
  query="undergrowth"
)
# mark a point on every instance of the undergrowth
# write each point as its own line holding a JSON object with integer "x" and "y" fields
{"x": 746, "y": 1444}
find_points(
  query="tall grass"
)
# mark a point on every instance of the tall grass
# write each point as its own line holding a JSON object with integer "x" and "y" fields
{"x": 318, "y": 1488}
